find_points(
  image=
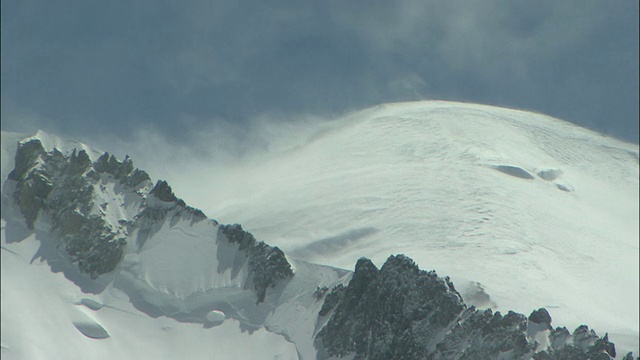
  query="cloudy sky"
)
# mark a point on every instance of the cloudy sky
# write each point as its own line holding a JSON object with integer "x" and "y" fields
{"x": 119, "y": 67}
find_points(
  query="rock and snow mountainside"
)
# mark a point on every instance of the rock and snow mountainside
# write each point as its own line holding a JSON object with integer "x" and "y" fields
{"x": 131, "y": 271}
{"x": 521, "y": 210}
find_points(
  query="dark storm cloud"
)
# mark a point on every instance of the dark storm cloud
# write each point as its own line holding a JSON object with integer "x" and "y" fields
{"x": 79, "y": 66}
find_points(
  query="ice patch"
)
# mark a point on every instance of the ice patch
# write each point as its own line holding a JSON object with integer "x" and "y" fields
{"x": 91, "y": 304}
{"x": 565, "y": 187}
{"x": 514, "y": 171}
{"x": 215, "y": 317}
{"x": 91, "y": 329}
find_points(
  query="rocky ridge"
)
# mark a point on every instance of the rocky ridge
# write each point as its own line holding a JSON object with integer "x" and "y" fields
{"x": 402, "y": 312}
{"x": 69, "y": 191}
{"x": 62, "y": 188}
{"x": 267, "y": 264}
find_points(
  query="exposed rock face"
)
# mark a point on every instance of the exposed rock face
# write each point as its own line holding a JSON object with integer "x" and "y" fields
{"x": 540, "y": 316}
{"x": 485, "y": 335}
{"x": 33, "y": 185}
{"x": 402, "y": 312}
{"x": 163, "y": 192}
{"x": 583, "y": 344}
{"x": 62, "y": 188}
{"x": 267, "y": 264}
{"x": 396, "y": 312}
{"x": 160, "y": 202}
{"x": 65, "y": 189}
{"x": 333, "y": 299}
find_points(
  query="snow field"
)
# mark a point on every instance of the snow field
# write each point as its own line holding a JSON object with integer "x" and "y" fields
{"x": 421, "y": 179}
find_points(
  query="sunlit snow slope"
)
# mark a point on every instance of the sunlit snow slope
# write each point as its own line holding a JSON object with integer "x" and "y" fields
{"x": 538, "y": 211}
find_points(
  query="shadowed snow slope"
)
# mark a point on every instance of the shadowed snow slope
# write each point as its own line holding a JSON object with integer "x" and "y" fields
{"x": 556, "y": 226}
{"x": 43, "y": 318}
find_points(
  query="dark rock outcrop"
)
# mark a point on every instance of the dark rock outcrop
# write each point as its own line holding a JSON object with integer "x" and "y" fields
{"x": 171, "y": 205}
{"x": 61, "y": 188}
{"x": 163, "y": 192}
{"x": 27, "y": 156}
{"x": 333, "y": 299}
{"x": 33, "y": 183}
{"x": 482, "y": 334}
{"x": 267, "y": 264}
{"x": 396, "y": 312}
{"x": 583, "y": 344}
{"x": 540, "y": 316}
{"x": 402, "y": 312}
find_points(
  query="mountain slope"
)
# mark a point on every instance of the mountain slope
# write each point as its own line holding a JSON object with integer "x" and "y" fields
{"x": 139, "y": 258}
{"x": 91, "y": 225}
{"x": 109, "y": 230}
{"x": 528, "y": 209}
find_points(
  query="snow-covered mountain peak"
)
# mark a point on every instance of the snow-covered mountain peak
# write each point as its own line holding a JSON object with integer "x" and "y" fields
{"x": 509, "y": 203}
{"x": 517, "y": 195}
